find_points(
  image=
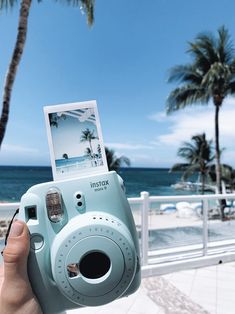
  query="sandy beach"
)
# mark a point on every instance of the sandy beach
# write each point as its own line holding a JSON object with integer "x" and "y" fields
{"x": 163, "y": 221}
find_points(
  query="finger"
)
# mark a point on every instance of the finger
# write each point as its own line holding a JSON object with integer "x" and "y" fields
{"x": 17, "y": 295}
{"x": 15, "y": 254}
{"x": 1, "y": 276}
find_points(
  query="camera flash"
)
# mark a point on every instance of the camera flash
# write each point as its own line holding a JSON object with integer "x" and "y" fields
{"x": 54, "y": 205}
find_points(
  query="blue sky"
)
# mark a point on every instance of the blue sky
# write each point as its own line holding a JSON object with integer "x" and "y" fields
{"x": 122, "y": 62}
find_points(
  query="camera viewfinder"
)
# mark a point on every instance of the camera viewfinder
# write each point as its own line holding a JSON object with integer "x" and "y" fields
{"x": 31, "y": 212}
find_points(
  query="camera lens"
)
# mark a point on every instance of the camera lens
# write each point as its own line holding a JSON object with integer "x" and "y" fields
{"x": 94, "y": 265}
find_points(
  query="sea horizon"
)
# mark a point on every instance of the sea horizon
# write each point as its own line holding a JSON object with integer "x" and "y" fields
{"x": 16, "y": 180}
{"x": 124, "y": 167}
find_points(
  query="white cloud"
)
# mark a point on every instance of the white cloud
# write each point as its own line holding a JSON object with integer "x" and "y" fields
{"x": 128, "y": 146}
{"x": 143, "y": 158}
{"x": 230, "y": 155}
{"x": 21, "y": 155}
{"x": 17, "y": 149}
{"x": 177, "y": 128}
{"x": 137, "y": 153}
{"x": 185, "y": 125}
{"x": 198, "y": 119}
{"x": 158, "y": 117}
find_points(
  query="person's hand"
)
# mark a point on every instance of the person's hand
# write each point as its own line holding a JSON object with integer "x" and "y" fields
{"x": 16, "y": 295}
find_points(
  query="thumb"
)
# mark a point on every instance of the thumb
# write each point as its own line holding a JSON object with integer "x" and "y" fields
{"x": 15, "y": 254}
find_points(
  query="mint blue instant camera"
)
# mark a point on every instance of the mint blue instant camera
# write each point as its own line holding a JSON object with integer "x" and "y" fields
{"x": 84, "y": 245}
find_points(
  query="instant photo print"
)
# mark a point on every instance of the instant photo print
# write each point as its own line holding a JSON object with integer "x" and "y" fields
{"x": 75, "y": 140}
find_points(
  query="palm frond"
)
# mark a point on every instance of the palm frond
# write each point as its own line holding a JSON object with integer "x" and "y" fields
{"x": 225, "y": 46}
{"x": 216, "y": 78}
{"x": 232, "y": 67}
{"x": 114, "y": 162}
{"x": 86, "y": 6}
{"x": 125, "y": 160}
{"x": 190, "y": 171}
{"x": 179, "y": 167}
{"x": 187, "y": 152}
{"x": 206, "y": 42}
{"x": 231, "y": 88}
{"x": 5, "y": 4}
{"x": 189, "y": 94}
{"x": 201, "y": 59}
{"x": 88, "y": 135}
{"x": 185, "y": 73}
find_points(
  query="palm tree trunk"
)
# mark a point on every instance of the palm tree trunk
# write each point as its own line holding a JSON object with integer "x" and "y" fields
{"x": 217, "y": 151}
{"x": 222, "y": 203}
{"x": 203, "y": 177}
{"x": 91, "y": 147}
{"x": 12, "y": 69}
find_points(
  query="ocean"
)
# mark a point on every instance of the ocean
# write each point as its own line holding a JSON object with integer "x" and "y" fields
{"x": 16, "y": 180}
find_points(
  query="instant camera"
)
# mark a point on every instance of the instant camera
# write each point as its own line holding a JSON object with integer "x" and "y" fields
{"x": 83, "y": 243}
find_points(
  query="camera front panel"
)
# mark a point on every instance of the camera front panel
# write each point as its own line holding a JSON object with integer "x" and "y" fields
{"x": 96, "y": 261}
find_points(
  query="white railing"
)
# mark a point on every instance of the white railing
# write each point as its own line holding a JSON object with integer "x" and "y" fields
{"x": 187, "y": 256}
{"x": 164, "y": 260}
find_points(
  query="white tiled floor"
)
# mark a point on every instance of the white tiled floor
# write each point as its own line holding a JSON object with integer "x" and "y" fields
{"x": 137, "y": 303}
{"x": 203, "y": 290}
{"x": 212, "y": 287}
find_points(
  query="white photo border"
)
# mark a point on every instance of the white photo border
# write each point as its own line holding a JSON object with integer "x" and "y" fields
{"x": 69, "y": 107}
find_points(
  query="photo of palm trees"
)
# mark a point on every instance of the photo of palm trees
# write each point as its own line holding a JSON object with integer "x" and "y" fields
{"x": 75, "y": 138}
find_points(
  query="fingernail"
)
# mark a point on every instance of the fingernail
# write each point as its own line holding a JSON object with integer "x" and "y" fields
{"x": 16, "y": 229}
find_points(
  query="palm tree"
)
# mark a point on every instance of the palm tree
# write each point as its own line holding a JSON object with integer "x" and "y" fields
{"x": 86, "y": 5}
{"x": 227, "y": 175}
{"x": 114, "y": 162}
{"x": 210, "y": 76}
{"x": 198, "y": 156}
{"x": 88, "y": 136}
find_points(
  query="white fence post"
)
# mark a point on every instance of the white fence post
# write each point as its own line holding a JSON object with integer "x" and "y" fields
{"x": 144, "y": 227}
{"x": 205, "y": 226}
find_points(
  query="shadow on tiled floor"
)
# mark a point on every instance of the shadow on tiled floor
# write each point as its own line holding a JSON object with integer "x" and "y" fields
{"x": 208, "y": 290}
